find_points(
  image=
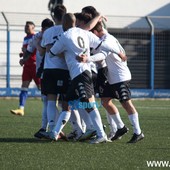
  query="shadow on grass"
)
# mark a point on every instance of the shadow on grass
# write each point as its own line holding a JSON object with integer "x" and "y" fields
{"x": 22, "y": 140}
{"x": 30, "y": 140}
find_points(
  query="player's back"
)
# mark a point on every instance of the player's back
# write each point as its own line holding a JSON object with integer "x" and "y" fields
{"x": 77, "y": 41}
{"x": 49, "y": 38}
{"x": 50, "y": 35}
{"x": 74, "y": 42}
{"x": 118, "y": 70}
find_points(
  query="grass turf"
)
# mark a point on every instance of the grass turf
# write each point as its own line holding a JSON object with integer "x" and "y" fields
{"x": 19, "y": 149}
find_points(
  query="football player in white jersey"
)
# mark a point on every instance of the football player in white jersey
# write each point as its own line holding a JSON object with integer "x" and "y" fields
{"x": 32, "y": 46}
{"x": 118, "y": 77}
{"x": 73, "y": 42}
{"x": 56, "y": 75}
{"x": 86, "y": 22}
{"x": 103, "y": 85}
{"x": 81, "y": 19}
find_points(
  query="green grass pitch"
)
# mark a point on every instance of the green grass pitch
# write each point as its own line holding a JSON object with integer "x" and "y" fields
{"x": 20, "y": 150}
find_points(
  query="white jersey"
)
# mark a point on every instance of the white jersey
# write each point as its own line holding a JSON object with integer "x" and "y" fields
{"x": 32, "y": 47}
{"x": 101, "y": 63}
{"x": 118, "y": 70}
{"x": 49, "y": 38}
{"x": 74, "y": 42}
{"x": 93, "y": 67}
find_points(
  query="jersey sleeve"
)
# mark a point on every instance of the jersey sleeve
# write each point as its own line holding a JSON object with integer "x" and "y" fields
{"x": 46, "y": 38}
{"x": 43, "y": 41}
{"x": 112, "y": 45}
{"x": 94, "y": 40}
{"x": 58, "y": 47}
{"x": 31, "y": 45}
{"x": 97, "y": 57}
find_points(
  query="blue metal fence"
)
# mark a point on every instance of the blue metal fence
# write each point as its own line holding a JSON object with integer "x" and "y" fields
{"x": 10, "y": 77}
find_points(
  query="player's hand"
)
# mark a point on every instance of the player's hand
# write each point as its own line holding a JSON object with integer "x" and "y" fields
{"x": 102, "y": 18}
{"x": 61, "y": 55}
{"x": 21, "y": 62}
{"x": 82, "y": 58}
{"x": 123, "y": 56}
{"x": 20, "y": 55}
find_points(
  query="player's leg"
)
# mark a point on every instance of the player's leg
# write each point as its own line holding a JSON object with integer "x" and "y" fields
{"x": 23, "y": 94}
{"x": 86, "y": 118}
{"x": 29, "y": 73}
{"x": 22, "y": 98}
{"x": 114, "y": 114}
{"x": 61, "y": 122}
{"x": 89, "y": 131}
{"x": 59, "y": 85}
{"x": 105, "y": 93}
{"x": 97, "y": 123}
{"x": 44, "y": 121}
{"x": 134, "y": 120}
{"x": 52, "y": 111}
{"x": 123, "y": 91}
{"x": 76, "y": 124}
{"x": 85, "y": 89}
{"x": 112, "y": 126}
{"x": 50, "y": 89}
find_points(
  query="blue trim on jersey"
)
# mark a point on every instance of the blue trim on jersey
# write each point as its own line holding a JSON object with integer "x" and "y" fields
{"x": 28, "y": 37}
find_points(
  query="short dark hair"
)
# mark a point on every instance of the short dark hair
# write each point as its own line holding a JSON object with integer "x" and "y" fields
{"x": 90, "y": 10}
{"x": 59, "y": 11}
{"x": 98, "y": 27}
{"x": 47, "y": 23}
{"x": 30, "y": 23}
{"x": 83, "y": 17}
{"x": 53, "y": 3}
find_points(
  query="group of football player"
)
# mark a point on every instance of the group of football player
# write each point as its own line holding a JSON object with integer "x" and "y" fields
{"x": 79, "y": 59}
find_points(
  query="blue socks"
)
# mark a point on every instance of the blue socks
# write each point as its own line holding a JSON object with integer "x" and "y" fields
{"x": 23, "y": 97}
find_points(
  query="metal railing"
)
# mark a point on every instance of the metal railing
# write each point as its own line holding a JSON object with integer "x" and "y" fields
{"x": 145, "y": 39}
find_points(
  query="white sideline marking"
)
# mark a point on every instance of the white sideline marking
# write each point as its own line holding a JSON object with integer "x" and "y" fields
{"x": 151, "y": 107}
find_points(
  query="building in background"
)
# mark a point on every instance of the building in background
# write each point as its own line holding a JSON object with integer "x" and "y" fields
{"x": 142, "y": 27}
{"x": 106, "y": 7}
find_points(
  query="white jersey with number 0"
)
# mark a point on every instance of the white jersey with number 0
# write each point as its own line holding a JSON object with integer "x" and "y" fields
{"x": 74, "y": 42}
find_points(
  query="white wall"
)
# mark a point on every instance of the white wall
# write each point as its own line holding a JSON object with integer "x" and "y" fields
{"x": 106, "y": 7}
{"x": 120, "y": 7}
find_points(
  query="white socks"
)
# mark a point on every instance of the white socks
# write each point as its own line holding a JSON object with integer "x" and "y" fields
{"x": 62, "y": 120}
{"x": 135, "y": 123}
{"x": 75, "y": 121}
{"x": 97, "y": 122}
{"x": 118, "y": 120}
{"x": 44, "y": 112}
{"x": 84, "y": 115}
{"x": 52, "y": 114}
{"x": 111, "y": 122}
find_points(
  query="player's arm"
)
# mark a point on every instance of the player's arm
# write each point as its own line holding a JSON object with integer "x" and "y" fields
{"x": 57, "y": 49}
{"x": 96, "y": 43}
{"x": 28, "y": 52}
{"x": 26, "y": 56}
{"x": 92, "y": 58}
{"x": 122, "y": 56}
{"x": 40, "y": 48}
{"x": 111, "y": 48}
{"x": 91, "y": 24}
